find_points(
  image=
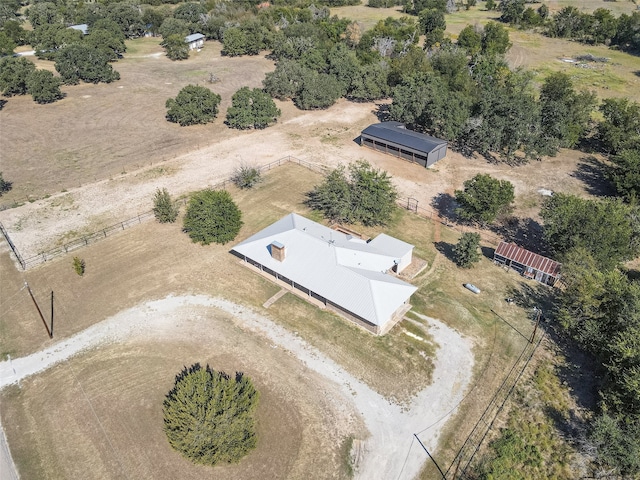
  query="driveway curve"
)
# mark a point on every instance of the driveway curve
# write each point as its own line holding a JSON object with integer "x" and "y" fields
{"x": 389, "y": 452}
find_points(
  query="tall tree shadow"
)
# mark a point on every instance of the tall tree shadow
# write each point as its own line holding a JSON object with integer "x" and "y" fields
{"x": 579, "y": 371}
{"x": 445, "y": 204}
{"x": 445, "y": 249}
{"x": 382, "y": 112}
{"x": 592, "y": 173}
{"x": 525, "y": 232}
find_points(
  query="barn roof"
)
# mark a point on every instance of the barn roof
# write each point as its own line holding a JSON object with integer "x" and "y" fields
{"x": 345, "y": 270}
{"x": 193, "y": 37}
{"x": 396, "y": 132}
{"x": 524, "y": 257}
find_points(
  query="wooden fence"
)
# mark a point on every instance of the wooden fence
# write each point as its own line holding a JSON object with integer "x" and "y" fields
{"x": 45, "y": 256}
{"x": 83, "y": 241}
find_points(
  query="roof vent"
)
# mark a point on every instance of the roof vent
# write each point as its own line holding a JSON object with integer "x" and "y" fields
{"x": 277, "y": 251}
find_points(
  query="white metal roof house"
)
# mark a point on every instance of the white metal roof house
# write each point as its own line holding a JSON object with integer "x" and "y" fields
{"x": 195, "y": 41}
{"x": 343, "y": 272}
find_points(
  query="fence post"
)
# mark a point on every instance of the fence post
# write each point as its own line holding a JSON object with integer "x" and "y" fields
{"x": 85, "y": 241}
{"x": 105, "y": 232}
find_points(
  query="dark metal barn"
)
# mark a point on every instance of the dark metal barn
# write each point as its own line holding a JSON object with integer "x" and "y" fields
{"x": 395, "y": 139}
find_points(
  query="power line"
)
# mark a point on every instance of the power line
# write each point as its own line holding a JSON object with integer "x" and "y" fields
{"x": 99, "y": 422}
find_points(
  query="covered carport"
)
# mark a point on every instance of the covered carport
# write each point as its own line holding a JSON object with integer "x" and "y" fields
{"x": 395, "y": 139}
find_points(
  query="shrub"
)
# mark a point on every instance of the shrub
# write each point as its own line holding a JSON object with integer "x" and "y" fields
{"x": 164, "y": 209}
{"x": 79, "y": 265}
{"x": 5, "y": 185}
{"x": 465, "y": 252}
{"x": 209, "y": 416}
{"x": 246, "y": 176}
{"x": 212, "y": 216}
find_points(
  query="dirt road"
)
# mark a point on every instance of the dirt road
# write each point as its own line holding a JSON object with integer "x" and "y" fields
{"x": 389, "y": 452}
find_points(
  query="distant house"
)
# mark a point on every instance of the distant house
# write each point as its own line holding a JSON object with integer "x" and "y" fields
{"x": 195, "y": 41}
{"x": 83, "y": 27}
{"x": 395, "y": 139}
{"x": 335, "y": 270}
{"x": 528, "y": 264}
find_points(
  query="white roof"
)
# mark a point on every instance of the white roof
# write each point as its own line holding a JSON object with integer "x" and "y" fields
{"x": 193, "y": 37}
{"x": 343, "y": 269}
{"x": 83, "y": 27}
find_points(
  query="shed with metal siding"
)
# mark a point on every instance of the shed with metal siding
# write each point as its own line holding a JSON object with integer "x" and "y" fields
{"x": 528, "y": 264}
{"x": 395, "y": 139}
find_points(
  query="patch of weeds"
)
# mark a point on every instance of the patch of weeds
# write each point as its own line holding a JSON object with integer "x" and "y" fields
{"x": 79, "y": 265}
{"x": 552, "y": 392}
{"x": 347, "y": 455}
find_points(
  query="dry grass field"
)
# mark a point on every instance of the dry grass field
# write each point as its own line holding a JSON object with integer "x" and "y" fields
{"x": 99, "y": 415}
{"x": 99, "y": 131}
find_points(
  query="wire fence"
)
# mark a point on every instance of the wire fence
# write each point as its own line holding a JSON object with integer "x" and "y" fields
{"x": 412, "y": 205}
{"x": 464, "y": 458}
{"x": 90, "y": 238}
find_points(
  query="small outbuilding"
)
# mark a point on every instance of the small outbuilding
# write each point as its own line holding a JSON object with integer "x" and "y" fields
{"x": 528, "y": 264}
{"x": 82, "y": 27}
{"x": 394, "y": 138}
{"x": 195, "y": 41}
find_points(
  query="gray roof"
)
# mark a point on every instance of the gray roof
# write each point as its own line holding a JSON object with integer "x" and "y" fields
{"x": 83, "y": 27}
{"x": 343, "y": 269}
{"x": 396, "y": 132}
{"x": 193, "y": 37}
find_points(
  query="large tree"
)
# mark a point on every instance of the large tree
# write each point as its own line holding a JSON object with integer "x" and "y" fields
{"x": 625, "y": 174}
{"x": 193, "y": 105}
{"x": 319, "y": 90}
{"x": 251, "y": 109}
{"x": 600, "y": 310}
{"x": 212, "y": 216}
{"x": 44, "y": 87}
{"x": 620, "y": 128}
{"x": 565, "y": 113}
{"x": 83, "y": 62}
{"x": 362, "y": 194}
{"x": 495, "y": 39}
{"x": 484, "y": 198}
{"x": 109, "y": 42}
{"x": 209, "y": 416}
{"x": 425, "y": 101}
{"x": 14, "y": 72}
{"x": 7, "y": 45}
{"x": 608, "y": 229}
{"x": 176, "y": 47}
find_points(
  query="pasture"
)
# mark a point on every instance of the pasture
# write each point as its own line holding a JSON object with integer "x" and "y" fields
{"x": 124, "y": 383}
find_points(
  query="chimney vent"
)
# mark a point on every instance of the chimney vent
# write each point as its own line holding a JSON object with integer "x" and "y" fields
{"x": 277, "y": 251}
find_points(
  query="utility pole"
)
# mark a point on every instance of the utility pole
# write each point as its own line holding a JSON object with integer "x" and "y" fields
{"x": 535, "y": 328}
{"x": 51, "y": 329}
{"x": 49, "y": 332}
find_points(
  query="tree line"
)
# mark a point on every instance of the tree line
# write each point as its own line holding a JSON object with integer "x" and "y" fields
{"x": 597, "y": 27}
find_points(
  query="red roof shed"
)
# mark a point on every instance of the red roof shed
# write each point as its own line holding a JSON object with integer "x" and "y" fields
{"x": 529, "y": 264}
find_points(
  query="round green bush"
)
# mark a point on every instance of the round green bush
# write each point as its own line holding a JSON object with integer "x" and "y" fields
{"x": 209, "y": 416}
